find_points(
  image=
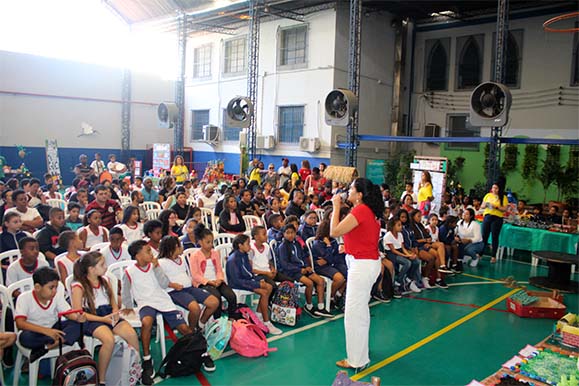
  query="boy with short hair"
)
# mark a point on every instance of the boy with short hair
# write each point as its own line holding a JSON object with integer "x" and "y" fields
{"x": 116, "y": 250}
{"x": 153, "y": 230}
{"x": 48, "y": 236}
{"x": 73, "y": 221}
{"x": 145, "y": 283}
{"x": 309, "y": 227}
{"x": 274, "y": 232}
{"x": 28, "y": 263}
{"x": 37, "y": 312}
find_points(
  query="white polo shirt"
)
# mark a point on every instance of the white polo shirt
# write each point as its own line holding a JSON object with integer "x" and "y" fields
{"x": 29, "y": 308}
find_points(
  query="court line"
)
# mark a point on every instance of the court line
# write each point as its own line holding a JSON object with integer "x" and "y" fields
{"x": 480, "y": 277}
{"x": 432, "y": 337}
{"x": 453, "y": 303}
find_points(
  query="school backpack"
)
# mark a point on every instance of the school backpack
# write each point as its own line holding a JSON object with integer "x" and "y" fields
{"x": 248, "y": 314}
{"x": 248, "y": 340}
{"x": 125, "y": 366}
{"x": 285, "y": 307}
{"x": 217, "y": 334}
{"x": 184, "y": 358}
{"x": 76, "y": 367}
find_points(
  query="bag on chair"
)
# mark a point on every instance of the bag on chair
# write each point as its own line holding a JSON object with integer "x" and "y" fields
{"x": 248, "y": 340}
{"x": 217, "y": 334}
{"x": 125, "y": 366}
{"x": 248, "y": 314}
{"x": 285, "y": 307}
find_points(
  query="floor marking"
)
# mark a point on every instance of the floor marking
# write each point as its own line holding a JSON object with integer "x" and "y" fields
{"x": 454, "y": 303}
{"x": 480, "y": 277}
{"x": 482, "y": 283}
{"x": 430, "y": 338}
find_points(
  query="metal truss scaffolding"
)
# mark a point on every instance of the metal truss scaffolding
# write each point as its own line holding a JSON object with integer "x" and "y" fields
{"x": 354, "y": 78}
{"x": 126, "y": 115}
{"x": 252, "y": 72}
{"x": 180, "y": 84}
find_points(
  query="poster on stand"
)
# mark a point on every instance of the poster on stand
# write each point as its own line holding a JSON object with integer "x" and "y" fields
{"x": 436, "y": 166}
{"x": 161, "y": 157}
{"x": 52, "y": 160}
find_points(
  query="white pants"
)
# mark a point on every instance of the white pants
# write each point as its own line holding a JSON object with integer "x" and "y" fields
{"x": 362, "y": 275}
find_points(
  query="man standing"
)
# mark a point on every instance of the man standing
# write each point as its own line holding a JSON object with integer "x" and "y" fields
{"x": 284, "y": 172}
{"x": 98, "y": 164}
{"x": 109, "y": 209}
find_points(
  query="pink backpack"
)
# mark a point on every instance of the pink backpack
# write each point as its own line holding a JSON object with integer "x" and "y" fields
{"x": 248, "y": 340}
{"x": 248, "y": 314}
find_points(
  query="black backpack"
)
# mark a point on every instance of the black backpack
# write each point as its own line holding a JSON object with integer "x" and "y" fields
{"x": 184, "y": 358}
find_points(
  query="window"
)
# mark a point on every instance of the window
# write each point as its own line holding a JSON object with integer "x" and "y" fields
{"x": 513, "y": 58}
{"x": 235, "y": 56}
{"x": 459, "y": 126}
{"x": 292, "y": 46}
{"x": 469, "y": 61}
{"x": 436, "y": 64}
{"x": 229, "y": 133}
{"x": 199, "y": 118}
{"x": 575, "y": 64}
{"x": 290, "y": 124}
{"x": 202, "y": 62}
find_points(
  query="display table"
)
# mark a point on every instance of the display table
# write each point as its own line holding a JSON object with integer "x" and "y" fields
{"x": 559, "y": 276}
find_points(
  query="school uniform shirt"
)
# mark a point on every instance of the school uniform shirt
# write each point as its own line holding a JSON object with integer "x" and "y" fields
{"x": 274, "y": 234}
{"x": 9, "y": 241}
{"x": 29, "y": 308}
{"x": 293, "y": 209}
{"x": 176, "y": 271}
{"x": 396, "y": 242}
{"x": 112, "y": 256}
{"x": 446, "y": 234}
{"x": 147, "y": 287}
{"x": 362, "y": 241}
{"x": 48, "y": 239}
{"x": 330, "y": 253}
{"x": 67, "y": 264}
{"x": 94, "y": 238}
{"x": 239, "y": 273}
{"x": 100, "y": 296}
{"x": 408, "y": 235}
{"x": 433, "y": 233}
{"x": 469, "y": 231}
{"x": 290, "y": 258}
{"x": 306, "y": 231}
{"x": 154, "y": 250}
{"x": 132, "y": 233}
{"x": 260, "y": 257}
{"x": 199, "y": 266}
{"x": 18, "y": 271}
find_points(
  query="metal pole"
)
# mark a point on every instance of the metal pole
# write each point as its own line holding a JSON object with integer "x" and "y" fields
{"x": 180, "y": 85}
{"x": 252, "y": 73}
{"x": 354, "y": 78}
{"x": 494, "y": 164}
{"x": 126, "y": 115}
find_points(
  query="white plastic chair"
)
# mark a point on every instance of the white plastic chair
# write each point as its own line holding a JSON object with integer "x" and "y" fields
{"x": 150, "y": 205}
{"x": 125, "y": 201}
{"x": 5, "y": 300}
{"x": 12, "y": 255}
{"x": 320, "y": 213}
{"x": 153, "y": 214}
{"x": 207, "y": 218}
{"x": 251, "y": 221}
{"x": 56, "y": 203}
{"x": 117, "y": 270}
{"x": 224, "y": 251}
{"x": 328, "y": 294}
{"x": 223, "y": 238}
{"x": 263, "y": 222}
{"x": 99, "y": 246}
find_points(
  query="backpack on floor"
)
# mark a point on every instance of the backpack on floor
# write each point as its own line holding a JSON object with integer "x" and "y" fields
{"x": 184, "y": 358}
{"x": 217, "y": 334}
{"x": 285, "y": 307}
{"x": 248, "y": 340}
{"x": 248, "y": 314}
{"x": 125, "y": 366}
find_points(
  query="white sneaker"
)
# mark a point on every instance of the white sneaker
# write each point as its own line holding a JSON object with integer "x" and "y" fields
{"x": 273, "y": 330}
{"x": 259, "y": 316}
{"x": 426, "y": 283}
{"x": 474, "y": 262}
{"x": 414, "y": 287}
{"x": 466, "y": 259}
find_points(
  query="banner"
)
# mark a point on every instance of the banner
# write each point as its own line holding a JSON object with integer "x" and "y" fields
{"x": 52, "y": 161}
{"x": 161, "y": 156}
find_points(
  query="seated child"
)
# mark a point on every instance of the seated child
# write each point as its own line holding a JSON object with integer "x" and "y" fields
{"x": 292, "y": 262}
{"x": 36, "y": 315}
{"x": 274, "y": 232}
{"x": 117, "y": 250}
{"x": 180, "y": 288}
{"x": 241, "y": 277}
{"x": 131, "y": 224}
{"x": 28, "y": 263}
{"x": 144, "y": 283}
{"x": 274, "y": 208}
{"x": 73, "y": 220}
{"x": 207, "y": 272}
{"x": 70, "y": 241}
{"x": 153, "y": 230}
{"x": 447, "y": 235}
{"x": 402, "y": 259}
{"x": 93, "y": 233}
{"x": 261, "y": 259}
{"x": 308, "y": 228}
{"x": 92, "y": 292}
{"x": 188, "y": 238}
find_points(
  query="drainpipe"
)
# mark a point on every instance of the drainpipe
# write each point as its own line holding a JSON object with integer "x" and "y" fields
{"x": 411, "y": 81}
{"x": 401, "y": 30}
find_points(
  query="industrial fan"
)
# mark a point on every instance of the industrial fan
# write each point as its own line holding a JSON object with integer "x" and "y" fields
{"x": 340, "y": 106}
{"x": 239, "y": 112}
{"x": 167, "y": 115}
{"x": 489, "y": 105}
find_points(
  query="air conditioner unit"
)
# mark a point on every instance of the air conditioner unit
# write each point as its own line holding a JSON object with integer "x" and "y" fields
{"x": 432, "y": 130}
{"x": 309, "y": 144}
{"x": 265, "y": 142}
{"x": 210, "y": 133}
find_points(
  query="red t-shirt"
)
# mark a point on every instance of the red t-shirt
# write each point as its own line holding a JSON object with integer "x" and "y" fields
{"x": 304, "y": 173}
{"x": 108, "y": 212}
{"x": 362, "y": 241}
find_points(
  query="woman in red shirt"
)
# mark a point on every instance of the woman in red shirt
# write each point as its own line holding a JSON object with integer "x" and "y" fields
{"x": 361, "y": 231}
{"x": 305, "y": 170}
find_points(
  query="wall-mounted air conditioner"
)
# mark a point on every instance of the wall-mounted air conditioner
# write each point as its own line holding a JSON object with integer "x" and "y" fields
{"x": 265, "y": 142}
{"x": 310, "y": 144}
{"x": 211, "y": 133}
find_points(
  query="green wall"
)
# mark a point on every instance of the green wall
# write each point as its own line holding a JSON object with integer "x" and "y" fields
{"x": 473, "y": 171}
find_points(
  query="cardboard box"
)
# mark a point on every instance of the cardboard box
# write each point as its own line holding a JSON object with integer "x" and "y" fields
{"x": 550, "y": 306}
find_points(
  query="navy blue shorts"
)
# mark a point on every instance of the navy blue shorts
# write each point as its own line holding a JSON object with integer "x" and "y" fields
{"x": 187, "y": 295}
{"x": 326, "y": 270}
{"x": 173, "y": 318}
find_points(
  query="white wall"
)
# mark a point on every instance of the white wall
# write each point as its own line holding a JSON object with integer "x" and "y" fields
{"x": 29, "y": 120}
{"x": 546, "y": 63}
{"x": 305, "y": 86}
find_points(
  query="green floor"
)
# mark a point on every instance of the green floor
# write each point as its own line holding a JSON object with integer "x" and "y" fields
{"x": 471, "y": 350}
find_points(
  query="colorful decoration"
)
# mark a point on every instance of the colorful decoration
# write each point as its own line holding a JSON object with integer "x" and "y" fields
{"x": 21, "y": 151}
{"x": 214, "y": 172}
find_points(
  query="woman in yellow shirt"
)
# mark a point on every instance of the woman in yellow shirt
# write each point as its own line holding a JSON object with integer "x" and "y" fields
{"x": 425, "y": 195}
{"x": 179, "y": 171}
{"x": 494, "y": 204}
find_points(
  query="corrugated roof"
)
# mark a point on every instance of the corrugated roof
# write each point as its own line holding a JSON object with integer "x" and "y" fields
{"x": 137, "y": 11}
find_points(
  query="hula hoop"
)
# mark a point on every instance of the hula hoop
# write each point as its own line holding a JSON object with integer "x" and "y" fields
{"x": 566, "y": 16}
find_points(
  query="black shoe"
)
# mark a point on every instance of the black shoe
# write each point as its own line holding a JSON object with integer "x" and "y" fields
{"x": 381, "y": 298}
{"x": 311, "y": 312}
{"x": 37, "y": 353}
{"x": 397, "y": 294}
{"x": 148, "y": 373}
{"x": 323, "y": 313}
{"x": 444, "y": 269}
{"x": 456, "y": 268}
{"x": 208, "y": 364}
{"x": 441, "y": 283}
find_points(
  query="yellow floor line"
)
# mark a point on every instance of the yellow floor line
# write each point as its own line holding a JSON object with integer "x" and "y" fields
{"x": 430, "y": 338}
{"x": 480, "y": 277}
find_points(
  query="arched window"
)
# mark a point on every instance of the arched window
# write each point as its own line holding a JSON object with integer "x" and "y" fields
{"x": 437, "y": 65}
{"x": 513, "y": 58}
{"x": 469, "y": 63}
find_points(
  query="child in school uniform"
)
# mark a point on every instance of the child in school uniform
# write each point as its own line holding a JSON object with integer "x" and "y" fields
{"x": 240, "y": 275}
{"x": 402, "y": 259}
{"x": 188, "y": 239}
{"x": 92, "y": 292}
{"x": 274, "y": 208}
{"x": 93, "y": 232}
{"x": 12, "y": 232}
{"x": 261, "y": 259}
{"x": 73, "y": 221}
{"x": 145, "y": 282}
{"x": 131, "y": 224}
{"x": 181, "y": 288}
{"x": 153, "y": 230}
{"x": 70, "y": 241}
{"x": 117, "y": 250}
{"x": 274, "y": 232}
{"x": 37, "y": 312}
{"x": 308, "y": 228}
{"x": 292, "y": 262}
{"x": 27, "y": 264}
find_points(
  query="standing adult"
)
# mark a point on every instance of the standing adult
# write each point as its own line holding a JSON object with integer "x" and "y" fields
{"x": 179, "y": 171}
{"x": 109, "y": 209}
{"x": 361, "y": 231}
{"x": 284, "y": 172}
{"x": 495, "y": 205}
{"x": 425, "y": 195}
{"x": 97, "y": 164}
